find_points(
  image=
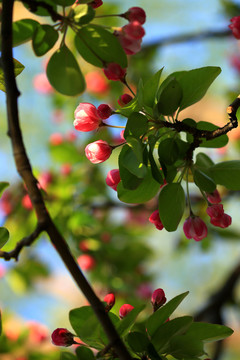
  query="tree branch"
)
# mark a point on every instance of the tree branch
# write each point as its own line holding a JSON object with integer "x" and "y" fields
{"x": 25, "y": 171}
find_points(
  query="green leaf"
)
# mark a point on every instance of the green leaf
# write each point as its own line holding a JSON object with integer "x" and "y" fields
{"x": 144, "y": 192}
{"x": 137, "y": 341}
{"x": 169, "y": 97}
{"x": 209, "y": 332}
{"x": 185, "y": 346}
{"x": 18, "y": 68}
{"x": 151, "y": 88}
{"x": 40, "y": 10}
{"x": 132, "y": 163}
{"x": 195, "y": 83}
{"x": 44, "y": 38}
{"x": 98, "y": 46}
{"x": 156, "y": 173}
{"x": 163, "y": 313}
{"x": 83, "y": 14}
{"x": 137, "y": 125}
{"x": 84, "y": 353}
{"x": 171, "y": 205}
{"x": 67, "y": 356}
{"x": 65, "y": 153}
{"x": 127, "y": 322}
{"x": 4, "y": 236}
{"x": 86, "y": 326}
{"x": 168, "y": 330}
{"x": 203, "y": 161}
{"x": 168, "y": 151}
{"x": 129, "y": 180}
{"x": 23, "y": 31}
{"x": 3, "y": 186}
{"x": 226, "y": 173}
{"x": 203, "y": 181}
{"x": 67, "y": 2}
{"x": 64, "y": 73}
{"x": 132, "y": 106}
{"x": 214, "y": 143}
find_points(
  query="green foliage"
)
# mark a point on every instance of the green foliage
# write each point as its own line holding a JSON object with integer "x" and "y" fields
{"x": 227, "y": 173}
{"x": 214, "y": 143}
{"x": 23, "y": 31}
{"x": 64, "y": 73}
{"x": 83, "y": 14}
{"x": 4, "y": 236}
{"x": 67, "y": 356}
{"x": 18, "y": 68}
{"x": 150, "y": 89}
{"x": 85, "y": 353}
{"x": 169, "y": 97}
{"x": 3, "y": 186}
{"x": 44, "y": 38}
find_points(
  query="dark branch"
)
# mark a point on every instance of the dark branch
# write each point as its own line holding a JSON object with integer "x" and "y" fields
{"x": 27, "y": 241}
{"x": 34, "y": 5}
{"x": 25, "y": 171}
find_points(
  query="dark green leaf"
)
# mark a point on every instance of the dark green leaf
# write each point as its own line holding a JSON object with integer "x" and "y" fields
{"x": 18, "y": 68}
{"x": 98, "y": 46}
{"x": 23, "y": 31}
{"x": 67, "y": 356}
{"x": 185, "y": 346}
{"x": 209, "y": 332}
{"x": 83, "y": 14}
{"x": 127, "y": 322}
{"x": 137, "y": 341}
{"x": 203, "y": 181}
{"x": 132, "y": 163}
{"x": 3, "y": 186}
{"x": 40, "y": 10}
{"x": 226, "y": 173}
{"x": 64, "y": 73}
{"x": 163, "y": 313}
{"x": 171, "y": 205}
{"x": 144, "y": 192}
{"x": 168, "y": 330}
{"x": 44, "y": 38}
{"x": 4, "y": 236}
{"x": 132, "y": 106}
{"x": 67, "y": 2}
{"x": 195, "y": 83}
{"x": 129, "y": 180}
{"x": 156, "y": 173}
{"x": 168, "y": 151}
{"x": 203, "y": 161}
{"x": 137, "y": 125}
{"x": 150, "y": 89}
{"x": 84, "y": 353}
{"x": 169, "y": 97}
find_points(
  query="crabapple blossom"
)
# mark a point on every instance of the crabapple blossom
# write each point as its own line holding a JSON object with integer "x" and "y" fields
{"x": 135, "y": 13}
{"x": 124, "y": 310}
{"x": 97, "y": 83}
{"x": 134, "y": 30}
{"x": 195, "y": 228}
{"x": 26, "y": 202}
{"x": 223, "y": 222}
{"x": 155, "y": 219}
{"x": 124, "y": 99}
{"x": 158, "y": 299}
{"x": 56, "y": 139}
{"x": 96, "y": 3}
{"x": 62, "y": 337}
{"x": 235, "y": 26}
{"x": 98, "y": 151}
{"x": 113, "y": 178}
{"x": 104, "y": 111}
{"x": 130, "y": 46}
{"x": 86, "y": 117}
{"x": 114, "y": 72}
{"x": 214, "y": 197}
{"x": 86, "y": 262}
{"x": 215, "y": 211}
{"x": 110, "y": 301}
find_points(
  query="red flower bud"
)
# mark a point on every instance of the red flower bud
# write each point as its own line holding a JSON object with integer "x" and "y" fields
{"x": 214, "y": 197}
{"x": 113, "y": 179}
{"x": 97, "y": 83}
{"x": 235, "y": 26}
{"x": 62, "y": 337}
{"x": 223, "y": 222}
{"x": 98, "y": 151}
{"x": 155, "y": 219}
{"x": 130, "y": 46}
{"x": 134, "y": 30}
{"x": 124, "y": 310}
{"x": 86, "y": 117}
{"x": 26, "y": 202}
{"x": 104, "y": 111}
{"x": 158, "y": 299}
{"x": 114, "y": 72}
{"x": 86, "y": 262}
{"x": 110, "y": 301}
{"x": 136, "y": 13}
{"x": 56, "y": 139}
{"x": 124, "y": 99}
{"x": 215, "y": 211}
{"x": 195, "y": 228}
{"x": 95, "y": 3}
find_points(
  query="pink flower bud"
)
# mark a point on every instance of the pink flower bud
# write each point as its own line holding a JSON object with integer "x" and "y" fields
{"x": 158, "y": 299}
{"x": 215, "y": 211}
{"x": 56, "y": 139}
{"x": 110, "y": 301}
{"x": 235, "y": 26}
{"x": 113, "y": 179}
{"x": 136, "y": 13}
{"x": 124, "y": 99}
{"x": 124, "y": 310}
{"x": 134, "y": 30}
{"x": 86, "y": 262}
{"x": 62, "y": 337}
{"x": 223, "y": 222}
{"x": 214, "y": 197}
{"x": 98, "y": 151}
{"x": 195, "y": 228}
{"x": 155, "y": 219}
{"x": 26, "y": 202}
{"x": 114, "y": 72}
{"x": 96, "y": 3}
{"x": 86, "y": 117}
{"x": 104, "y": 111}
{"x": 130, "y": 46}
{"x": 97, "y": 83}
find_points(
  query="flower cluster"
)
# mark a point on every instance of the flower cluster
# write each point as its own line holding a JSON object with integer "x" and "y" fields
{"x": 235, "y": 26}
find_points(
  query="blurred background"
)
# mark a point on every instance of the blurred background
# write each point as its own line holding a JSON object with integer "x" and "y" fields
{"x": 114, "y": 243}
